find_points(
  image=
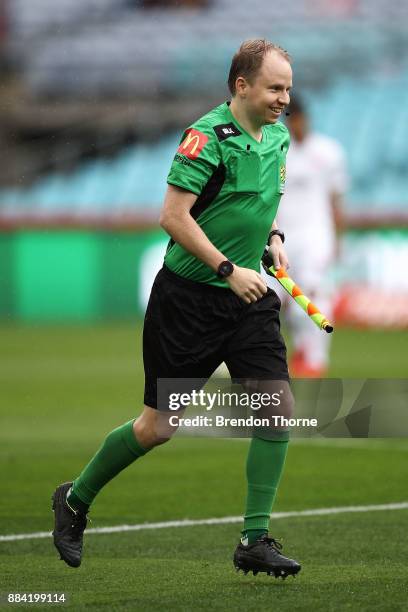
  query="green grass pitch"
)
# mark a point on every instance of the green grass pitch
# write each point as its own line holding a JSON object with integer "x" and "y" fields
{"x": 64, "y": 388}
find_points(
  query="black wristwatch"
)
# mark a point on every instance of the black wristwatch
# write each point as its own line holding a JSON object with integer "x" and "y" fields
{"x": 225, "y": 269}
{"x": 276, "y": 232}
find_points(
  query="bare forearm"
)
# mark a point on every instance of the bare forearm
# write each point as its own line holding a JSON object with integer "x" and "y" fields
{"x": 187, "y": 233}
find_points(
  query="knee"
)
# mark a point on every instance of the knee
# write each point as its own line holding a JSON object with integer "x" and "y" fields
{"x": 277, "y": 398}
{"x": 287, "y": 403}
{"x": 281, "y": 406}
{"x": 278, "y": 404}
{"x": 152, "y": 428}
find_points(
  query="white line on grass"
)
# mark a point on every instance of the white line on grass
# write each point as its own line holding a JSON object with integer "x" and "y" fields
{"x": 211, "y": 521}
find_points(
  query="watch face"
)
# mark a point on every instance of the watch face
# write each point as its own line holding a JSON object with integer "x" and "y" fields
{"x": 226, "y": 268}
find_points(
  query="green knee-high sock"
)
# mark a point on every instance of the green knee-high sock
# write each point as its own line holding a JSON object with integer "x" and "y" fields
{"x": 265, "y": 462}
{"x": 119, "y": 449}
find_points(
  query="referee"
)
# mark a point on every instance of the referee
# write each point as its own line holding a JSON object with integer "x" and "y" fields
{"x": 209, "y": 303}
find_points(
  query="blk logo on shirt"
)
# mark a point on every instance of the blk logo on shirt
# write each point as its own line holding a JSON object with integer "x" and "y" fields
{"x": 193, "y": 144}
{"x": 226, "y": 130}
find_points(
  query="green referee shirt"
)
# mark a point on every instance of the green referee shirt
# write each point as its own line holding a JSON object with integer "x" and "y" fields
{"x": 239, "y": 182}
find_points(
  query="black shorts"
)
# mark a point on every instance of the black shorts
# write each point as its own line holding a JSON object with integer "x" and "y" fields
{"x": 190, "y": 328}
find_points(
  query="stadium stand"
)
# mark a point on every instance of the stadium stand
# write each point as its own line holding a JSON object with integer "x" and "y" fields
{"x": 72, "y": 48}
{"x": 349, "y": 61}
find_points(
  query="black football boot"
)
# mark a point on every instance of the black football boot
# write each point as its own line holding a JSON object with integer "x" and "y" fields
{"x": 69, "y": 527}
{"x": 264, "y": 556}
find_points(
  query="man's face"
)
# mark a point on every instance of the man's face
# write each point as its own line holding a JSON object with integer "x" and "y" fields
{"x": 268, "y": 95}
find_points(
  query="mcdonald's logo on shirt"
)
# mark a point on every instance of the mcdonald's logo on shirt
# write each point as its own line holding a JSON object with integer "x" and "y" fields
{"x": 193, "y": 144}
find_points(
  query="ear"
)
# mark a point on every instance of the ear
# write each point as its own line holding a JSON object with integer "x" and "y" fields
{"x": 241, "y": 86}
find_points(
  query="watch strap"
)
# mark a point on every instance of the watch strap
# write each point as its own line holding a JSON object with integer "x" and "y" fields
{"x": 276, "y": 232}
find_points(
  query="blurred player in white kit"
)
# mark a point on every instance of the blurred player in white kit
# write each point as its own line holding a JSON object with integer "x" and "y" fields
{"x": 310, "y": 214}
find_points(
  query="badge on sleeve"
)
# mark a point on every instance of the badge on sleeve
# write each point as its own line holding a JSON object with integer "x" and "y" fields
{"x": 193, "y": 143}
{"x": 282, "y": 178}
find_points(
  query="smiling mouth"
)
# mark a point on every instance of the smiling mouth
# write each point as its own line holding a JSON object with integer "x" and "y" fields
{"x": 276, "y": 109}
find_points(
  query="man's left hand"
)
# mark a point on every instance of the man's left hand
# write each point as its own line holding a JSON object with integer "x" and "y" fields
{"x": 278, "y": 254}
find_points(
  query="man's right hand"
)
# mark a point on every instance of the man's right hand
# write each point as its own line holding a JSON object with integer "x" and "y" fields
{"x": 247, "y": 284}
